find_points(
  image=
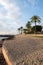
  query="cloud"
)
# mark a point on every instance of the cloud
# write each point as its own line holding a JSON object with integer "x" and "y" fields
{"x": 12, "y": 16}
{"x": 33, "y": 2}
{"x": 11, "y": 32}
{"x": 10, "y": 6}
{"x": 3, "y": 24}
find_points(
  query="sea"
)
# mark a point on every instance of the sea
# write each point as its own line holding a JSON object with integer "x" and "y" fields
{"x": 2, "y": 38}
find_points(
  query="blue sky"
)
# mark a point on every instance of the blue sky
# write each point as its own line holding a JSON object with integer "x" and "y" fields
{"x": 16, "y": 13}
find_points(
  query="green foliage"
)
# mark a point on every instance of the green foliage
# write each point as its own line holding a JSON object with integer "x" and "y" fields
{"x": 35, "y": 19}
{"x": 26, "y": 31}
{"x": 28, "y": 25}
{"x": 38, "y": 28}
{"x": 20, "y": 29}
{"x": 28, "y": 28}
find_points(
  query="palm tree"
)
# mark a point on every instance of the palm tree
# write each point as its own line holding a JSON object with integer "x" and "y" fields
{"x": 35, "y": 19}
{"x": 19, "y": 30}
{"x": 28, "y": 25}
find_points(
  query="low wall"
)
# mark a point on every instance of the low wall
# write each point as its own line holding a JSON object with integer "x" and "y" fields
{"x": 7, "y": 56}
{"x": 28, "y": 35}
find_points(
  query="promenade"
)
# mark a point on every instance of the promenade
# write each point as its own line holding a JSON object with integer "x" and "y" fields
{"x": 23, "y": 50}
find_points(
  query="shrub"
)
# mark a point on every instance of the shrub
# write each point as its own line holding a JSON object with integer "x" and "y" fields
{"x": 38, "y": 28}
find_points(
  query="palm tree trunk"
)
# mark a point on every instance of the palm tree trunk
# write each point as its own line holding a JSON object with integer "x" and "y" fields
{"x": 21, "y": 31}
{"x": 35, "y": 27}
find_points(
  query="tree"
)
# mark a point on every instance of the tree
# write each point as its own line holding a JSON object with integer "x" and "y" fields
{"x": 28, "y": 28}
{"x": 19, "y": 30}
{"x": 35, "y": 19}
{"x": 38, "y": 28}
{"x": 28, "y": 25}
